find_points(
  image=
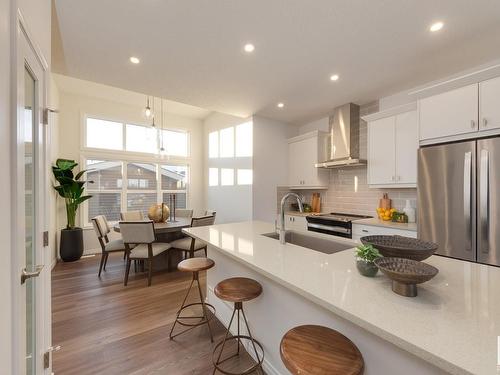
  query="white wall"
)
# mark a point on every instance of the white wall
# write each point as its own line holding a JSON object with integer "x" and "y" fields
{"x": 270, "y": 164}
{"x": 74, "y": 105}
{"x": 232, "y": 203}
{"x": 5, "y": 195}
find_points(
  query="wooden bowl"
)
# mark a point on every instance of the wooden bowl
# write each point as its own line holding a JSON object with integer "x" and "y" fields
{"x": 401, "y": 247}
{"x": 406, "y": 274}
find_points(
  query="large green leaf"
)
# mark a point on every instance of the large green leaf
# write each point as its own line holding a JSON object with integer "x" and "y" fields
{"x": 66, "y": 164}
{"x": 80, "y": 174}
{"x": 82, "y": 199}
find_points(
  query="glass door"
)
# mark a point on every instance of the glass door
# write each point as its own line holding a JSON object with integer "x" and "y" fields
{"x": 33, "y": 307}
{"x": 29, "y": 130}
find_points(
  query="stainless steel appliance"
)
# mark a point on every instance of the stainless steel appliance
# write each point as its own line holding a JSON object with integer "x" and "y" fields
{"x": 342, "y": 147}
{"x": 459, "y": 199}
{"x": 334, "y": 223}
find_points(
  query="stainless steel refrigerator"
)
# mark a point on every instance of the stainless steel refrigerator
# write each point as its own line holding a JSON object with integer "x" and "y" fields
{"x": 459, "y": 199}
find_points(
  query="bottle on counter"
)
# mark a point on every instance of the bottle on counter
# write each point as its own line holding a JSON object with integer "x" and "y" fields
{"x": 410, "y": 212}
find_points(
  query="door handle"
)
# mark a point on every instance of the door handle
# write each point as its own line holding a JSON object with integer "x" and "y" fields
{"x": 25, "y": 275}
{"x": 485, "y": 122}
{"x": 484, "y": 198}
{"x": 472, "y": 124}
{"x": 467, "y": 199}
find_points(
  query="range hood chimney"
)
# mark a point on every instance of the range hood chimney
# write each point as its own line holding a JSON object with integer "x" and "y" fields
{"x": 342, "y": 147}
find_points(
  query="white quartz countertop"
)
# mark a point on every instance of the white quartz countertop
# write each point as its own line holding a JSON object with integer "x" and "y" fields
{"x": 453, "y": 322}
{"x": 388, "y": 224}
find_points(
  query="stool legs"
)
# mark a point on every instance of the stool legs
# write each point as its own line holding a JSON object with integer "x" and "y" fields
{"x": 205, "y": 319}
{"x": 238, "y": 310}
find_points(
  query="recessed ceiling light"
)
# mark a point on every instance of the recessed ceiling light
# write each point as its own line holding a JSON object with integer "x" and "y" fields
{"x": 334, "y": 77}
{"x": 135, "y": 60}
{"x": 249, "y": 47}
{"x": 436, "y": 26}
{"x": 280, "y": 105}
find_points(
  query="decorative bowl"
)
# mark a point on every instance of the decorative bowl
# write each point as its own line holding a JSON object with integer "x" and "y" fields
{"x": 406, "y": 274}
{"x": 159, "y": 213}
{"x": 401, "y": 247}
{"x": 365, "y": 268}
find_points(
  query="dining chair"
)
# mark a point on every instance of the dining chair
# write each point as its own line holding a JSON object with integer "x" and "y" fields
{"x": 142, "y": 235}
{"x": 131, "y": 216}
{"x": 181, "y": 212}
{"x": 210, "y": 213}
{"x": 102, "y": 229}
{"x": 189, "y": 245}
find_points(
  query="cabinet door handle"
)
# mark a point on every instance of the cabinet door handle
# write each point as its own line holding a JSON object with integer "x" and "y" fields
{"x": 364, "y": 231}
{"x": 485, "y": 122}
{"x": 472, "y": 124}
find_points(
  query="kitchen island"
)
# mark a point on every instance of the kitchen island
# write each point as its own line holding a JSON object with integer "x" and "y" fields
{"x": 450, "y": 327}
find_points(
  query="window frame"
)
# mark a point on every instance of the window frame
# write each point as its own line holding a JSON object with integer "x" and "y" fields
{"x": 124, "y": 161}
{"x": 123, "y": 151}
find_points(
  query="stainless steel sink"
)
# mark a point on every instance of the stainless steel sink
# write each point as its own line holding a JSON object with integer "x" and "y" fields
{"x": 322, "y": 245}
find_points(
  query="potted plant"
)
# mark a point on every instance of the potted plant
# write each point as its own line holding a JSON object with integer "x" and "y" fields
{"x": 365, "y": 255}
{"x": 70, "y": 187}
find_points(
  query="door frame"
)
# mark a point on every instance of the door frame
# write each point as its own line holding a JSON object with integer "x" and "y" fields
{"x": 23, "y": 41}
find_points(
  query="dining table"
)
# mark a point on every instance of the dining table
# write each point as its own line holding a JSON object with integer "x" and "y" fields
{"x": 167, "y": 231}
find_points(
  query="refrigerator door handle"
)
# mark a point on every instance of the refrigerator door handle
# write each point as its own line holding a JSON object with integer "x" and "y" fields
{"x": 484, "y": 197}
{"x": 468, "y": 200}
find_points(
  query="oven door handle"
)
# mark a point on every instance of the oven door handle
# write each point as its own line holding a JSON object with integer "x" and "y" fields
{"x": 329, "y": 228}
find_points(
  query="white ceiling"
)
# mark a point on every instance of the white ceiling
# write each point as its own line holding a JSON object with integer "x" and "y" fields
{"x": 192, "y": 51}
{"x": 105, "y": 92}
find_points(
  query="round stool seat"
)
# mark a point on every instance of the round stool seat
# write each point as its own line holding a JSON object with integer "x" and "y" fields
{"x": 195, "y": 264}
{"x": 238, "y": 289}
{"x": 317, "y": 350}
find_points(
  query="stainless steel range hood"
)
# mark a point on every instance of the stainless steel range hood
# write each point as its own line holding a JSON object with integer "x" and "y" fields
{"x": 342, "y": 147}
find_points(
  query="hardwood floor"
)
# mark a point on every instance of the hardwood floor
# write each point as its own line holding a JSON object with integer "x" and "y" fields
{"x": 106, "y": 328}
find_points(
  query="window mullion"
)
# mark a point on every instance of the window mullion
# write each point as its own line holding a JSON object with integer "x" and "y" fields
{"x": 159, "y": 198}
{"x": 124, "y": 207}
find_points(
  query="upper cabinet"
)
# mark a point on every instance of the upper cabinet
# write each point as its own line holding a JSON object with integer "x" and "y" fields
{"x": 304, "y": 151}
{"x": 392, "y": 147}
{"x": 450, "y": 113}
{"x": 489, "y": 104}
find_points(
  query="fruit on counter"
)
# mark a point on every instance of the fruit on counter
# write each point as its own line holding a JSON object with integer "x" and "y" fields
{"x": 385, "y": 213}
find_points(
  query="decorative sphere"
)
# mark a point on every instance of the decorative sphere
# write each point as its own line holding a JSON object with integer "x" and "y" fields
{"x": 159, "y": 213}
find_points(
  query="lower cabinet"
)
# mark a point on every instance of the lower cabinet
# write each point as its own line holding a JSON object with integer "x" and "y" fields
{"x": 360, "y": 230}
{"x": 297, "y": 223}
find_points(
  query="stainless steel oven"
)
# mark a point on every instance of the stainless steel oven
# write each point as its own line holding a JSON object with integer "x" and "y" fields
{"x": 335, "y": 224}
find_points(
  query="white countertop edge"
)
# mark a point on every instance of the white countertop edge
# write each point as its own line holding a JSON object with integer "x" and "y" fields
{"x": 398, "y": 342}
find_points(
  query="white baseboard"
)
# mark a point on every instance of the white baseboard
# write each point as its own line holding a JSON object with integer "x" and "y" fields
{"x": 223, "y": 312}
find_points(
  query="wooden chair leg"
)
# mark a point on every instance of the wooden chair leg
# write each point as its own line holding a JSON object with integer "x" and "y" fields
{"x": 127, "y": 270}
{"x": 105, "y": 260}
{"x": 150, "y": 271}
{"x": 102, "y": 263}
{"x": 206, "y": 254}
{"x": 124, "y": 255}
{"x": 168, "y": 260}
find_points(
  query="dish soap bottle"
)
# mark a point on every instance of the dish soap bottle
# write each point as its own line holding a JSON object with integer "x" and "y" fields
{"x": 409, "y": 211}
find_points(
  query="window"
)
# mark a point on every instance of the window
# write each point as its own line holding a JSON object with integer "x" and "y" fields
{"x": 244, "y": 176}
{"x": 226, "y": 177}
{"x": 244, "y": 142}
{"x": 227, "y": 143}
{"x": 104, "y": 134}
{"x": 175, "y": 142}
{"x": 105, "y": 189}
{"x": 146, "y": 184}
{"x": 141, "y": 139}
{"x": 174, "y": 184}
{"x": 118, "y": 136}
{"x": 213, "y": 176}
{"x": 213, "y": 145}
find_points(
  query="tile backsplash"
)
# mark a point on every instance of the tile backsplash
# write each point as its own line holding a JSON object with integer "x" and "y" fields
{"x": 348, "y": 190}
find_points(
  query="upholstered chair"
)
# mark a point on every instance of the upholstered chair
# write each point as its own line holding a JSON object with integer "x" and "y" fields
{"x": 102, "y": 229}
{"x": 189, "y": 245}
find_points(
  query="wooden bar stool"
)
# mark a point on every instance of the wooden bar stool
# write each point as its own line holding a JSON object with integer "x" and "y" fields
{"x": 317, "y": 350}
{"x": 238, "y": 290}
{"x": 194, "y": 265}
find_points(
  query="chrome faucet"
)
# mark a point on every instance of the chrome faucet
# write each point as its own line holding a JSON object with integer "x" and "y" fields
{"x": 282, "y": 218}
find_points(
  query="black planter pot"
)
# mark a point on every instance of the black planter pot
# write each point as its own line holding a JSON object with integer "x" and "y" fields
{"x": 71, "y": 248}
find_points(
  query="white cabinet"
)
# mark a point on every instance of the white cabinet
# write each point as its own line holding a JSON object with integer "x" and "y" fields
{"x": 450, "y": 113}
{"x": 392, "y": 149}
{"x": 304, "y": 151}
{"x": 489, "y": 104}
{"x": 297, "y": 223}
{"x": 360, "y": 230}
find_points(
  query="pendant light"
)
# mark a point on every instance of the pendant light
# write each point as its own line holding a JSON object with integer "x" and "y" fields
{"x": 147, "y": 111}
{"x": 162, "y": 148}
{"x": 152, "y": 111}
